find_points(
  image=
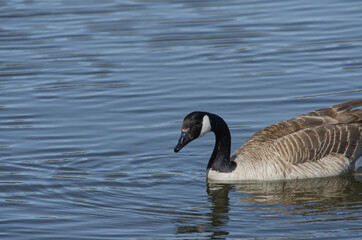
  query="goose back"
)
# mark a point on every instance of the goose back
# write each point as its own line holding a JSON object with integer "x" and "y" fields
{"x": 323, "y": 142}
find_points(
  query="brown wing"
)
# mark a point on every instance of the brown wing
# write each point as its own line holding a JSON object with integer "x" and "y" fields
{"x": 315, "y": 143}
{"x": 311, "y": 136}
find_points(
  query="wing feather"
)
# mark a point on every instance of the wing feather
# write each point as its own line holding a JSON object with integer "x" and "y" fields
{"x": 313, "y": 144}
{"x": 310, "y": 137}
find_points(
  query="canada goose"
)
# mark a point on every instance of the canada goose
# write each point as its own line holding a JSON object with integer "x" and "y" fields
{"x": 325, "y": 142}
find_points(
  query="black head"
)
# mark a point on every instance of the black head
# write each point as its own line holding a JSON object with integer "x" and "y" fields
{"x": 195, "y": 125}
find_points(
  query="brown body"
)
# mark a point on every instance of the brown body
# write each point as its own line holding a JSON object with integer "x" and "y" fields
{"x": 321, "y": 143}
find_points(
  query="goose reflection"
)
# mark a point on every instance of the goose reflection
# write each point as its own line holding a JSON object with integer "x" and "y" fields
{"x": 299, "y": 192}
{"x": 320, "y": 197}
{"x": 296, "y": 197}
{"x": 216, "y": 218}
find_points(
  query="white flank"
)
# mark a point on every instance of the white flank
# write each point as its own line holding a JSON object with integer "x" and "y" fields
{"x": 276, "y": 170}
{"x": 206, "y": 126}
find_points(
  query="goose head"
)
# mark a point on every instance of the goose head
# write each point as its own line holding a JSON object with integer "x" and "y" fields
{"x": 195, "y": 125}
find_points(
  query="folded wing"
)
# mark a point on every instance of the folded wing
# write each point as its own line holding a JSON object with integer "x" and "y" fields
{"x": 310, "y": 137}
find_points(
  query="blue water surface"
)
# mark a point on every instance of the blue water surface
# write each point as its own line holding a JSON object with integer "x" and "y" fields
{"x": 93, "y": 93}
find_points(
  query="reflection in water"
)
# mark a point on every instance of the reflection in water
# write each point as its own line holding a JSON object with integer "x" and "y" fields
{"x": 299, "y": 192}
{"x": 217, "y": 217}
{"x": 219, "y": 207}
{"x": 324, "y": 199}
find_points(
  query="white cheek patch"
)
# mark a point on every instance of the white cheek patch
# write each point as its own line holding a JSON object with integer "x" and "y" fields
{"x": 206, "y": 126}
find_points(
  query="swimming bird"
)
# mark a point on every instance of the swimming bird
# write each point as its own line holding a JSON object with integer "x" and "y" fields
{"x": 324, "y": 142}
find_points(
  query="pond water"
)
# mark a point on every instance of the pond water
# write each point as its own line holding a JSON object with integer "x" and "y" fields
{"x": 92, "y": 95}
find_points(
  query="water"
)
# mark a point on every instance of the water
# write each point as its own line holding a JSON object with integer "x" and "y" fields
{"x": 92, "y": 95}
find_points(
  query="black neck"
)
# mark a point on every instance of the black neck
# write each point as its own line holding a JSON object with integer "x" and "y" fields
{"x": 220, "y": 158}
